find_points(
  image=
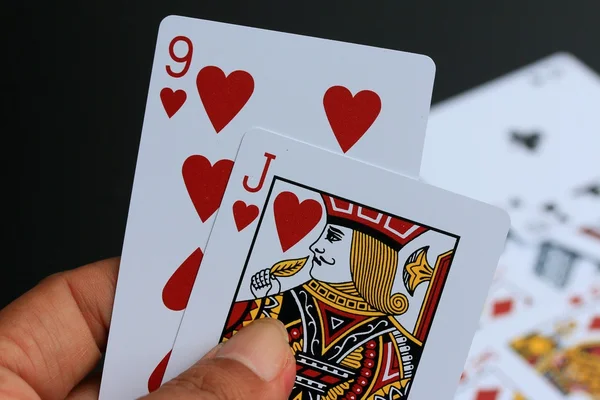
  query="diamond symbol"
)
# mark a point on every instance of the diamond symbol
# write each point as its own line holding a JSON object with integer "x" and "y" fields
{"x": 576, "y": 300}
{"x": 595, "y": 324}
{"x": 502, "y": 307}
{"x": 488, "y": 394}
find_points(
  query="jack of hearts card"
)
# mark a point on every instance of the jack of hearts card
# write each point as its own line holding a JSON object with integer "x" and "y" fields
{"x": 210, "y": 83}
{"x": 378, "y": 278}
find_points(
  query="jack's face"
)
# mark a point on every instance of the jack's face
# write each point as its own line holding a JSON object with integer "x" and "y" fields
{"x": 331, "y": 255}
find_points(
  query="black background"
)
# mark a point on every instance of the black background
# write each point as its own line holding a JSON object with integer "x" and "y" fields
{"x": 78, "y": 72}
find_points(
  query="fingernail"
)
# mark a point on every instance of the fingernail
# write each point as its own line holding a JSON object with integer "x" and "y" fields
{"x": 262, "y": 346}
{"x": 213, "y": 353}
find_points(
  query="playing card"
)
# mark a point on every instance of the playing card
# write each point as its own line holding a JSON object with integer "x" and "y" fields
{"x": 483, "y": 376}
{"x": 549, "y": 275}
{"x": 492, "y": 384}
{"x": 504, "y": 299}
{"x": 210, "y": 83}
{"x": 379, "y": 278}
{"x": 527, "y": 142}
{"x": 521, "y": 140}
{"x": 553, "y": 354}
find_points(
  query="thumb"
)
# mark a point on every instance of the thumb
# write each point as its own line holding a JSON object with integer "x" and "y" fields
{"x": 256, "y": 363}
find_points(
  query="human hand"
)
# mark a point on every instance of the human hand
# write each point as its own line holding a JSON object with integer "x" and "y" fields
{"x": 264, "y": 284}
{"x": 53, "y": 336}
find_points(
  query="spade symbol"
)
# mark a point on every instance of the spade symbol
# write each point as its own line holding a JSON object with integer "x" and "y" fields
{"x": 515, "y": 202}
{"x": 550, "y": 207}
{"x": 593, "y": 189}
{"x": 553, "y": 209}
{"x": 528, "y": 140}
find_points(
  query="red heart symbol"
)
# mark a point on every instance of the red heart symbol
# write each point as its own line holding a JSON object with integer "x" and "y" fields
{"x": 223, "y": 96}
{"x": 294, "y": 219}
{"x": 350, "y": 116}
{"x": 157, "y": 375}
{"x": 244, "y": 214}
{"x": 176, "y": 292}
{"x": 206, "y": 183}
{"x": 172, "y": 100}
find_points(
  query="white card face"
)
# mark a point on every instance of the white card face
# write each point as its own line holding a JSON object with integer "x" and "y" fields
{"x": 528, "y": 136}
{"x": 484, "y": 376}
{"x": 528, "y": 142}
{"x": 364, "y": 266}
{"x": 210, "y": 83}
{"x": 549, "y": 275}
{"x": 491, "y": 384}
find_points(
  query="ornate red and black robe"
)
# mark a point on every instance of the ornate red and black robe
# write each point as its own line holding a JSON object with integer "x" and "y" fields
{"x": 344, "y": 348}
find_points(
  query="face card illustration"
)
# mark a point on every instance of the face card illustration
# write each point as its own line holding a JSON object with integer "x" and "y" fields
{"x": 210, "y": 83}
{"x": 337, "y": 294}
{"x": 565, "y": 353}
{"x": 365, "y": 277}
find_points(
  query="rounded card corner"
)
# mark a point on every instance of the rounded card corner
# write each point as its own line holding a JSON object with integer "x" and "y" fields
{"x": 504, "y": 219}
{"x": 565, "y": 56}
{"x": 431, "y": 63}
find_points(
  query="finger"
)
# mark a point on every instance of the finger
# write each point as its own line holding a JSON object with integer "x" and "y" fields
{"x": 52, "y": 336}
{"x": 262, "y": 277}
{"x": 13, "y": 387}
{"x": 256, "y": 363}
{"x": 86, "y": 390}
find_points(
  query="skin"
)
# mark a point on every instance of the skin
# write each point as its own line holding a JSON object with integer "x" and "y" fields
{"x": 53, "y": 336}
